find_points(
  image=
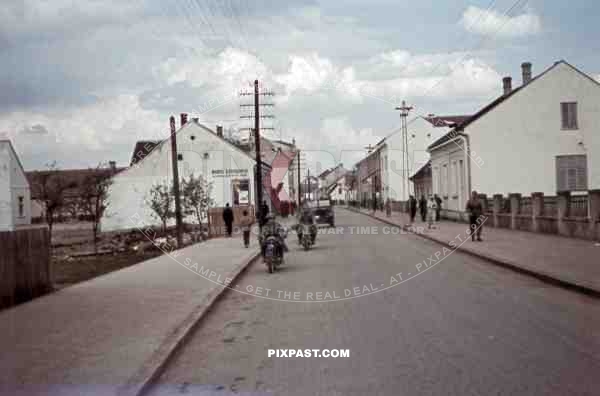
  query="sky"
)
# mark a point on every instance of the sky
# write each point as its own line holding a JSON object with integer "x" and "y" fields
{"x": 82, "y": 81}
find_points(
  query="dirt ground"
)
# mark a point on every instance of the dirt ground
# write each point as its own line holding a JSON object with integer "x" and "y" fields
{"x": 73, "y": 260}
{"x": 70, "y": 270}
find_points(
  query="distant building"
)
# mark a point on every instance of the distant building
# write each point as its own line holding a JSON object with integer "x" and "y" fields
{"x": 15, "y": 195}
{"x": 539, "y": 137}
{"x": 330, "y": 182}
{"x": 422, "y": 181}
{"x": 382, "y": 173}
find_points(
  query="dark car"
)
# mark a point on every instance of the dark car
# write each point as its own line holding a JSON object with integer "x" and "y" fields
{"x": 323, "y": 212}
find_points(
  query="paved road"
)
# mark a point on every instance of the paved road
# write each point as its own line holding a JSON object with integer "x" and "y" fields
{"x": 463, "y": 327}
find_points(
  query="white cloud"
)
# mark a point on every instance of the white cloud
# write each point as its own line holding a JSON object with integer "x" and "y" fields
{"x": 89, "y": 133}
{"x": 489, "y": 22}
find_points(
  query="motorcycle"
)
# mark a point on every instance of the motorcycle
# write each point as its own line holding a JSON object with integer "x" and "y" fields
{"x": 306, "y": 236}
{"x": 274, "y": 251}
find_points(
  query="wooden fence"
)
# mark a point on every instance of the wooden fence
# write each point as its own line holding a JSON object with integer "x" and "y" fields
{"x": 24, "y": 265}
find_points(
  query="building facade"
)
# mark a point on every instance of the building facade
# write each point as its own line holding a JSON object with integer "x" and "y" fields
{"x": 539, "y": 137}
{"x": 15, "y": 194}
{"x": 200, "y": 152}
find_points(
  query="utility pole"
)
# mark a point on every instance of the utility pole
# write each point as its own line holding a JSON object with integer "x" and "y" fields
{"x": 299, "y": 185}
{"x": 308, "y": 182}
{"x": 259, "y": 185}
{"x": 175, "y": 166}
{"x": 404, "y": 110}
{"x": 256, "y": 129}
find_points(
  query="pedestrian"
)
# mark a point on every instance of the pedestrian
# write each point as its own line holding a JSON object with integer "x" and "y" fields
{"x": 264, "y": 212}
{"x": 476, "y": 218}
{"x": 412, "y": 208}
{"x": 438, "y": 209}
{"x": 423, "y": 207}
{"x": 228, "y": 219}
{"x": 431, "y": 210}
{"x": 388, "y": 207}
{"x": 246, "y": 222}
{"x": 374, "y": 204}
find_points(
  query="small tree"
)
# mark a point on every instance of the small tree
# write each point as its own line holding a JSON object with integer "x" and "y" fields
{"x": 93, "y": 198}
{"x": 49, "y": 189}
{"x": 159, "y": 199}
{"x": 196, "y": 200}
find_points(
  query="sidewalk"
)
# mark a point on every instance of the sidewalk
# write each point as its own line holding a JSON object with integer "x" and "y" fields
{"x": 97, "y": 336}
{"x": 573, "y": 263}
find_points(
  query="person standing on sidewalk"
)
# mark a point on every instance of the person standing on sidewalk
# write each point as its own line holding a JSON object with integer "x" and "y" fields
{"x": 246, "y": 222}
{"x": 412, "y": 208}
{"x": 475, "y": 209}
{"x": 423, "y": 208}
{"x": 431, "y": 212}
{"x": 438, "y": 209}
{"x": 228, "y": 219}
{"x": 388, "y": 207}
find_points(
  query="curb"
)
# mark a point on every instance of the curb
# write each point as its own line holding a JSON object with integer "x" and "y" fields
{"x": 540, "y": 275}
{"x": 153, "y": 368}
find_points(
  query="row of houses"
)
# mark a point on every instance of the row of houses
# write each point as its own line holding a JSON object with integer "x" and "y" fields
{"x": 541, "y": 136}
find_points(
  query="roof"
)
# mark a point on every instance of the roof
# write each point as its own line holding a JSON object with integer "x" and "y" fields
{"x": 205, "y": 128}
{"x": 72, "y": 178}
{"x": 446, "y": 121}
{"x": 141, "y": 149}
{"x": 423, "y": 171}
{"x": 282, "y": 142}
{"x": 10, "y": 146}
{"x": 496, "y": 102}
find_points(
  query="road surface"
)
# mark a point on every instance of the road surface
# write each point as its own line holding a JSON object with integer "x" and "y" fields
{"x": 461, "y": 327}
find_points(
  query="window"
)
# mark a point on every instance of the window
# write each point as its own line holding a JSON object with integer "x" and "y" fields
{"x": 21, "y": 206}
{"x": 241, "y": 192}
{"x": 571, "y": 173}
{"x": 445, "y": 180}
{"x": 180, "y": 157}
{"x": 568, "y": 111}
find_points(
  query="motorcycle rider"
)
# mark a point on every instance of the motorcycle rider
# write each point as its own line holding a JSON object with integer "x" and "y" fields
{"x": 272, "y": 228}
{"x": 307, "y": 218}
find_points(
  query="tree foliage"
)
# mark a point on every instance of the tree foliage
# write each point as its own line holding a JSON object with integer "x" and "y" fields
{"x": 160, "y": 200}
{"x": 196, "y": 197}
{"x": 93, "y": 196}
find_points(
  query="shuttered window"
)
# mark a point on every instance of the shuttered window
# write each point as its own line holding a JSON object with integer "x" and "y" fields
{"x": 568, "y": 111}
{"x": 571, "y": 173}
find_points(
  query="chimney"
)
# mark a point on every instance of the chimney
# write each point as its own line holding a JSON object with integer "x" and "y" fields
{"x": 526, "y": 69}
{"x": 112, "y": 165}
{"x": 507, "y": 85}
{"x": 220, "y": 130}
{"x": 183, "y": 118}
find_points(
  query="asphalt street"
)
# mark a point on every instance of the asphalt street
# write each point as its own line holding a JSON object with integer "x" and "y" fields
{"x": 416, "y": 321}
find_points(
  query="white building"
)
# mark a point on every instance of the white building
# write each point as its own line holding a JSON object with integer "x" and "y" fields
{"x": 540, "y": 137}
{"x": 383, "y": 173}
{"x": 332, "y": 184}
{"x": 201, "y": 152}
{"x": 15, "y": 194}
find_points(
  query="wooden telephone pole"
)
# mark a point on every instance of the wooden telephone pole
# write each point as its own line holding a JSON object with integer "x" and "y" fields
{"x": 175, "y": 166}
{"x": 404, "y": 110}
{"x": 259, "y": 186}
